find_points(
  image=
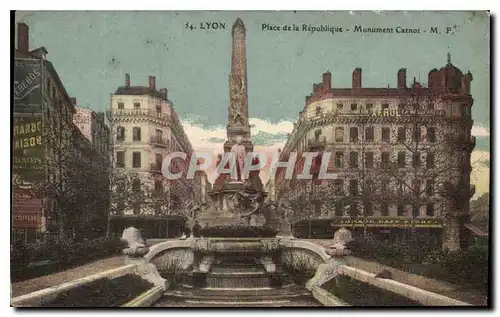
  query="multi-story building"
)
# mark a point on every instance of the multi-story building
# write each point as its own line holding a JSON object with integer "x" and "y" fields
{"x": 42, "y": 141}
{"x": 91, "y": 139}
{"x": 145, "y": 129}
{"x": 401, "y": 156}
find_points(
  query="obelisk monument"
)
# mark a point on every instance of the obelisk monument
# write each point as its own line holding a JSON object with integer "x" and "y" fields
{"x": 238, "y": 125}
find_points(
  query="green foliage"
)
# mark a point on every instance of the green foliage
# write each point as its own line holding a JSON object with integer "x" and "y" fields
{"x": 468, "y": 268}
{"x": 238, "y": 232}
{"x": 300, "y": 267}
{"x": 63, "y": 254}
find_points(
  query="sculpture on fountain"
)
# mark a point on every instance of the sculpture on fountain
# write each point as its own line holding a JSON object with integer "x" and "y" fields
{"x": 240, "y": 153}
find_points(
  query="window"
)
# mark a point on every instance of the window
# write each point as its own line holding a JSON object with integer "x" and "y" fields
{"x": 385, "y": 106}
{"x": 353, "y": 187}
{"x": 339, "y": 210}
{"x": 369, "y": 159}
{"x": 401, "y": 134}
{"x": 340, "y": 106}
{"x": 385, "y": 185}
{"x": 339, "y": 134}
{"x": 353, "y": 160}
{"x": 415, "y": 211}
{"x": 401, "y": 187}
{"x": 137, "y": 105}
{"x": 369, "y": 107}
{"x": 120, "y": 134}
{"x": 384, "y": 209}
{"x": 369, "y": 134}
{"x": 318, "y": 110}
{"x": 416, "y": 159}
{"x": 120, "y": 159}
{"x": 353, "y": 133}
{"x": 158, "y": 161}
{"x": 401, "y": 108}
{"x": 416, "y": 187}
{"x": 386, "y": 135}
{"x": 430, "y": 210}
{"x": 339, "y": 160}
{"x": 401, "y": 159}
{"x": 338, "y": 186}
{"x": 368, "y": 207}
{"x": 385, "y": 159}
{"x": 137, "y": 208}
{"x": 431, "y": 134}
{"x": 430, "y": 160}
{"x": 158, "y": 185}
{"x": 401, "y": 210}
{"x": 136, "y": 159}
{"x": 429, "y": 187}
{"x": 430, "y": 105}
{"x": 317, "y": 134}
{"x": 121, "y": 105}
{"x": 353, "y": 210}
{"x": 158, "y": 134}
{"x": 369, "y": 186}
{"x": 136, "y": 185}
{"x": 417, "y": 134}
{"x": 136, "y": 134}
{"x": 463, "y": 111}
{"x": 354, "y": 106}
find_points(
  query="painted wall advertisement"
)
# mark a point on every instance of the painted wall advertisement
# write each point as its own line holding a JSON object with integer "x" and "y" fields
{"x": 28, "y": 150}
{"x": 27, "y": 86}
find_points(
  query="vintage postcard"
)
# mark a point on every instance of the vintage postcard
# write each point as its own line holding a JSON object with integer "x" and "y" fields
{"x": 250, "y": 159}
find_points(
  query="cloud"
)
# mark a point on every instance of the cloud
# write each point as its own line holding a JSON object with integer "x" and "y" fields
{"x": 480, "y": 132}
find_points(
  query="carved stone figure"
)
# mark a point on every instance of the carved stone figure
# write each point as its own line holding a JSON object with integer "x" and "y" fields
{"x": 239, "y": 150}
{"x": 136, "y": 245}
{"x": 237, "y": 88}
{"x": 340, "y": 239}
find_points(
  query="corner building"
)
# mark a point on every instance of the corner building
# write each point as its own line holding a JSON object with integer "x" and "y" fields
{"x": 401, "y": 155}
{"x": 145, "y": 129}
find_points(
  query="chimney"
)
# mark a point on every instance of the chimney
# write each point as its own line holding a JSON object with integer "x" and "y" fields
{"x": 152, "y": 83}
{"x": 23, "y": 38}
{"x": 316, "y": 88}
{"x": 402, "y": 78}
{"x": 327, "y": 81}
{"x": 356, "y": 78}
{"x": 127, "y": 80}
{"x": 73, "y": 101}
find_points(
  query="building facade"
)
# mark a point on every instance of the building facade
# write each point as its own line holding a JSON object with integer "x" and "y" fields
{"x": 42, "y": 144}
{"x": 91, "y": 139}
{"x": 401, "y": 156}
{"x": 145, "y": 128}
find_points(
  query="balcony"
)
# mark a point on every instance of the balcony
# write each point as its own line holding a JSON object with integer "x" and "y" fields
{"x": 131, "y": 113}
{"x": 317, "y": 144}
{"x": 159, "y": 141}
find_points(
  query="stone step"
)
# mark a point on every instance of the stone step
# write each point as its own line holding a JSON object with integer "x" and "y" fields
{"x": 238, "y": 280}
{"x": 306, "y": 301}
{"x": 206, "y": 294}
{"x": 224, "y": 269}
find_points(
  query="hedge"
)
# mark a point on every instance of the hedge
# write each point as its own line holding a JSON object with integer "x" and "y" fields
{"x": 467, "y": 268}
{"x": 29, "y": 261}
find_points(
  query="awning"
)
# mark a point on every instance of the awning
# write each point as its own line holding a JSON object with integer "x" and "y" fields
{"x": 476, "y": 231}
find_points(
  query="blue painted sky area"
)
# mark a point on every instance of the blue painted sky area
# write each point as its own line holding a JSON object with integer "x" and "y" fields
{"x": 92, "y": 51}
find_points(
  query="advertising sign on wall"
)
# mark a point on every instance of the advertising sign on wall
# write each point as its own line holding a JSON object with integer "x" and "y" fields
{"x": 28, "y": 85}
